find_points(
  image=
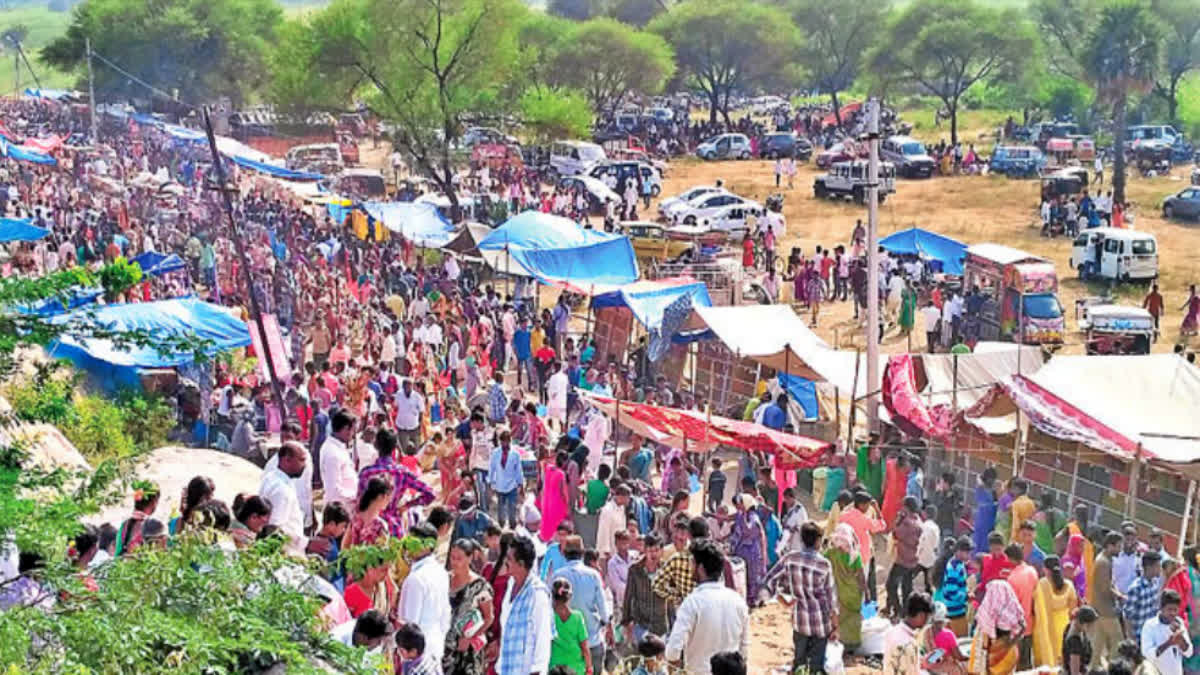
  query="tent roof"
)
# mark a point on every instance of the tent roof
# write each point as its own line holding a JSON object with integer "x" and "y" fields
{"x": 766, "y": 333}
{"x": 556, "y": 250}
{"x": 20, "y": 229}
{"x": 175, "y": 317}
{"x": 154, "y": 263}
{"x": 647, "y": 299}
{"x": 418, "y": 222}
{"x": 915, "y": 241}
{"x": 1154, "y": 405}
{"x": 466, "y": 241}
{"x": 1001, "y": 254}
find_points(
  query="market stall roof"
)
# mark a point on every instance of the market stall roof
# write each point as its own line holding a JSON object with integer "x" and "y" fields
{"x": 674, "y": 425}
{"x": 1116, "y": 403}
{"x": 931, "y": 245}
{"x": 466, "y": 240}
{"x": 20, "y": 229}
{"x": 155, "y": 264}
{"x": 1003, "y": 255}
{"x": 420, "y": 223}
{"x": 558, "y": 251}
{"x": 647, "y": 299}
{"x": 175, "y": 317}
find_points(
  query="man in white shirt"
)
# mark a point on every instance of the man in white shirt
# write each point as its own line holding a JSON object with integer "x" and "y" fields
{"x": 303, "y": 484}
{"x": 712, "y": 618}
{"x": 556, "y": 392}
{"x": 928, "y": 544}
{"x": 277, "y": 487}
{"x": 1164, "y": 639}
{"x": 369, "y": 630}
{"x": 338, "y": 473}
{"x": 425, "y": 595}
{"x": 794, "y": 516}
{"x": 419, "y": 307}
{"x": 611, "y": 521}
{"x": 930, "y": 315}
{"x": 432, "y": 334}
{"x": 387, "y": 350}
{"x": 409, "y": 406}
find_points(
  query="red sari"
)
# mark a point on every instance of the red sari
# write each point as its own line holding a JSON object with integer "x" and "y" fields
{"x": 895, "y": 486}
{"x": 1181, "y": 583}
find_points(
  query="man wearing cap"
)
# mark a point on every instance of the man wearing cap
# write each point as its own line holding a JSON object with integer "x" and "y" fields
{"x": 471, "y": 522}
{"x": 588, "y": 597}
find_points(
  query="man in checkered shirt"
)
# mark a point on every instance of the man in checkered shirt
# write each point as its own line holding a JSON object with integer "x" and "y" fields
{"x": 804, "y": 579}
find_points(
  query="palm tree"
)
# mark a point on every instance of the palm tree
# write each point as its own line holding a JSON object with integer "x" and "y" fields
{"x": 1121, "y": 56}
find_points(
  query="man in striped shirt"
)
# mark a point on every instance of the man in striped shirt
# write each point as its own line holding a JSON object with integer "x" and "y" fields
{"x": 954, "y": 586}
{"x": 804, "y": 580}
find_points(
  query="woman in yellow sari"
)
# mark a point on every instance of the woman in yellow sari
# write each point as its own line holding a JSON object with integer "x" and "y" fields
{"x": 999, "y": 622}
{"x": 1053, "y": 603}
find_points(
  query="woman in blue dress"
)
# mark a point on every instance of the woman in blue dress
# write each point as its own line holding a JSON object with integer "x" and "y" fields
{"x": 985, "y": 509}
{"x": 748, "y": 541}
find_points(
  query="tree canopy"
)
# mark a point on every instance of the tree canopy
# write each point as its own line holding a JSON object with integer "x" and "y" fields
{"x": 194, "y": 49}
{"x": 838, "y": 37}
{"x": 725, "y": 45}
{"x": 607, "y": 61}
{"x": 1181, "y": 47}
{"x": 944, "y": 47}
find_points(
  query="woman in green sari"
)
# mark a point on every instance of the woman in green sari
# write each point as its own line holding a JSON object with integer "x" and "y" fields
{"x": 850, "y": 582}
{"x": 908, "y": 308}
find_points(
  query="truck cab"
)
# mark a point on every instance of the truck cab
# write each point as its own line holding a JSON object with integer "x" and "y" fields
{"x": 1021, "y": 295}
{"x": 1116, "y": 254}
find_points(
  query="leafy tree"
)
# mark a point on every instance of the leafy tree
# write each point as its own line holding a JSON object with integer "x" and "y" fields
{"x": 577, "y": 10}
{"x": 1122, "y": 56}
{"x": 551, "y": 115}
{"x": 636, "y": 12}
{"x": 606, "y": 60}
{"x": 725, "y": 45}
{"x": 1181, "y": 49}
{"x": 839, "y": 35}
{"x": 538, "y": 41}
{"x": 1064, "y": 25}
{"x": 423, "y": 65}
{"x": 942, "y": 47}
{"x": 196, "y": 49}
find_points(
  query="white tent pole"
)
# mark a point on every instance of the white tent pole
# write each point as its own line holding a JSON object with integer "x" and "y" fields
{"x": 1187, "y": 513}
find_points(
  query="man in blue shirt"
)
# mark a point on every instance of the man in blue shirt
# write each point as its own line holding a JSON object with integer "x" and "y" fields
{"x": 471, "y": 522}
{"x": 523, "y": 348}
{"x": 1141, "y": 602}
{"x": 775, "y": 415}
{"x": 587, "y": 594}
{"x": 505, "y": 477}
{"x": 639, "y": 459}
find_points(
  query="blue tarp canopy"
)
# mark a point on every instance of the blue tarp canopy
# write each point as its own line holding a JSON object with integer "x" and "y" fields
{"x": 20, "y": 229}
{"x": 187, "y": 317}
{"x": 25, "y": 154}
{"x": 558, "y": 251}
{"x": 275, "y": 171}
{"x": 419, "y": 222}
{"x": 154, "y": 264}
{"x": 76, "y": 297}
{"x": 802, "y": 392}
{"x": 49, "y": 94}
{"x": 648, "y": 299}
{"x": 930, "y": 245}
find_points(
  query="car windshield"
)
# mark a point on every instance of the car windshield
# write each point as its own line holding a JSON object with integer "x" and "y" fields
{"x": 591, "y": 152}
{"x": 1143, "y": 246}
{"x": 1043, "y": 306}
{"x": 1143, "y": 133}
{"x": 913, "y": 148}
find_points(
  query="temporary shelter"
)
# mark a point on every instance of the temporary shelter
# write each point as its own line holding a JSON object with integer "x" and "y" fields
{"x": 20, "y": 229}
{"x": 647, "y": 299}
{"x": 557, "y": 251}
{"x": 155, "y": 264}
{"x": 946, "y": 252}
{"x": 420, "y": 223}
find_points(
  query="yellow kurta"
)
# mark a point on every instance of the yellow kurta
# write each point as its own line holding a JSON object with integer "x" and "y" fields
{"x": 1023, "y": 509}
{"x": 1051, "y": 614}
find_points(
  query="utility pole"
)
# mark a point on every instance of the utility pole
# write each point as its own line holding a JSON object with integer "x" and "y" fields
{"x": 87, "y": 43}
{"x": 243, "y": 262}
{"x": 873, "y": 382}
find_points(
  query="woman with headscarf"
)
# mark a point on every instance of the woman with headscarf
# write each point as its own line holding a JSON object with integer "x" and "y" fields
{"x": 1179, "y": 580}
{"x": 850, "y": 583}
{"x": 748, "y": 541}
{"x": 1073, "y": 564}
{"x": 1053, "y": 602}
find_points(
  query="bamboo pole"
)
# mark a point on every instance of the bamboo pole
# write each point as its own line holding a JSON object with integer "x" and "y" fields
{"x": 1134, "y": 479}
{"x": 1188, "y": 504}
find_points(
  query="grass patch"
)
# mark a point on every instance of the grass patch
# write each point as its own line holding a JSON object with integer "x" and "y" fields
{"x": 43, "y": 26}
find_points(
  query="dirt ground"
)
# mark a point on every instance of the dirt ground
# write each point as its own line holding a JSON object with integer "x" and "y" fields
{"x": 972, "y": 209}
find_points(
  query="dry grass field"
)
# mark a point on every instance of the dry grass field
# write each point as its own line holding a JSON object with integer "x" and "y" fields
{"x": 972, "y": 209}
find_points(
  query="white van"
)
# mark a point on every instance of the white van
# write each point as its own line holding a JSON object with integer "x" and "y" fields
{"x": 571, "y": 158}
{"x": 1114, "y": 253}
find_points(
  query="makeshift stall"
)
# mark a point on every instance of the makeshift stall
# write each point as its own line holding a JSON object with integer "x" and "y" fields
{"x": 943, "y": 253}
{"x": 558, "y": 252}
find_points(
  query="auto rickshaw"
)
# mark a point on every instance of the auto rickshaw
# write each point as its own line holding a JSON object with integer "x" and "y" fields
{"x": 1070, "y": 181}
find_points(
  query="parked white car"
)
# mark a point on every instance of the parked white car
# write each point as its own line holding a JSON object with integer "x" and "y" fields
{"x": 707, "y": 207}
{"x": 571, "y": 158}
{"x": 725, "y": 146}
{"x": 1115, "y": 253}
{"x": 686, "y": 196}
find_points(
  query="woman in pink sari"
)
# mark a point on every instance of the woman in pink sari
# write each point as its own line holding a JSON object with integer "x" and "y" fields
{"x": 1073, "y": 569}
{"x": 554, "y": 497}
{"x": 1192, "y": 318}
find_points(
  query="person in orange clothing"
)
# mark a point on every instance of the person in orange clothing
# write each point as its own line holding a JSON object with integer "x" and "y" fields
{"x": 864, "y": 519}
{"x": 895, "y": 485}
{"x": 1024, "y": 580}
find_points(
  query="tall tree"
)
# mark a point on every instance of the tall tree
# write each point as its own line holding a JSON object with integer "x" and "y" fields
{"x": 942, "y": 47}
{"x": 1122, "y": 56}
{"x": 725, "y": 45}
{"x": 636, "y": 12}
{"x": 423, "y": 65}
{"x": 607, "y": 61}
{"x": 1182, "y": 48}
{"x": 1064, "y": 26}
{"x": 838, "y": 36}
{"x": 193, "y": 49}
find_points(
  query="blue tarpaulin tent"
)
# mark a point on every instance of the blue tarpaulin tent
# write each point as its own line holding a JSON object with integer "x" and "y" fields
{"x": 154, "y": 264}
{"x": 648, "y": 299}
{"x": 930, "y": 245}
{"x": 802, "y": 392}
{"x": 75, "y": 297}
{"x": 20, "y": 229}
{"x": 113, "y": 367}
{"x": 25, "y": 154}
{"x": 276, "y": 171}
{"x": 556, "y": 250}
{"x": 419, "y": 222}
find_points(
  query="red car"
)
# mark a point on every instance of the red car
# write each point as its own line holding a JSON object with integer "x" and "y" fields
{"x": 838, "y": 152}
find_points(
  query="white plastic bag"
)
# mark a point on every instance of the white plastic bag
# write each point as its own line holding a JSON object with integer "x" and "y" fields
{"x": 833, "y": 658}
